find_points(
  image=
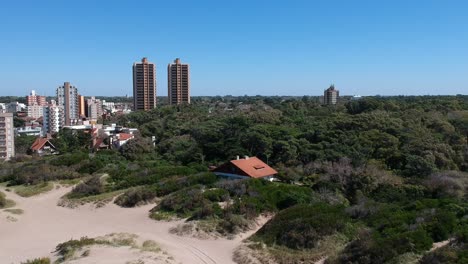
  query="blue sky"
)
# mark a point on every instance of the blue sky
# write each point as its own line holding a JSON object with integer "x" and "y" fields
{"x": 237, "y": 47}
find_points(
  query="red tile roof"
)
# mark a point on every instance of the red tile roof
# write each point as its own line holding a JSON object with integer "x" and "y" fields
{"x": 125, "y": 136}
{"x": 39, "y": 143}
{"x": 254, "y": 167}
{"x": 99, "y": 143}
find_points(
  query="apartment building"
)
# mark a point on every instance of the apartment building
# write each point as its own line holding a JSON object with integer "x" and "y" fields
{"x": 7, "y": 136}
{"x": 94, "y": 108}
{"x": 178, "y": 82}
{"x": 35, "y": 99}
{"x": 67, "y": 98}
{"x": 331, "y": 95}
{"x": 53, "y": 118}
{"x": 144, "y": 85}
{"x": 35, "y": 111}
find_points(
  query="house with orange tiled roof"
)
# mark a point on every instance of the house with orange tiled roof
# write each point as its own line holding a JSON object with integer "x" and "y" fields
{"x": 42, "y": 146}
{"x": 248, "y": 167}
{"x": 122, "y": 138}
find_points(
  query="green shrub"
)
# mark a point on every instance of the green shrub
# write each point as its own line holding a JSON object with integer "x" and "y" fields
{"x": 267, "y": 196}
{"x": 184, "y": 203}
{"x": 92, "y": 186}
{"x": 90, "y": 166}
{"x": 38, "y": 261}
{"x": 233, "y": 224}
{"x": 69, "y": 159}
{"x": 445, "y": 254}
{"x": 3, "y": 201}
{"x": 302, "y": 226}
{"x": 216, "y": 195}
{"x": 67, "y": 249}
{"x": 125, "y": 178}
{"x": 38, "y": 172}
{"x": 136, "y": 196}
{"x": 399, "y": 193}
{"x": 372, "y": 247}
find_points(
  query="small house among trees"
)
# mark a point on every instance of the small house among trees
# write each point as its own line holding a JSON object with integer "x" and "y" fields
{"x": 42, "y": 146}
{"x": 249, "y": 167}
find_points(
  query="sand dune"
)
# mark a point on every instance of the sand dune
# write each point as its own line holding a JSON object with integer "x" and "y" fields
{"x": 43, "y": 225}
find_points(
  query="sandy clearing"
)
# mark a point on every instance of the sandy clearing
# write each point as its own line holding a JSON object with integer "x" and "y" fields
{"x": 440, "y": 244}
{"x": 44, "y": 225}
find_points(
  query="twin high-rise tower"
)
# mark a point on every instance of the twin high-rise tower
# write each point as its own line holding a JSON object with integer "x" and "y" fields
{"x": 178, "y": 82}
{"x": 144, "y": 84}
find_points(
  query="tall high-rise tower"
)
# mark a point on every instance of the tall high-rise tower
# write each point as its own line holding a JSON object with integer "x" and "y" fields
{"x": 144, "y": 85}
{"x": 67, "y": 98}
{"x": 330, "y": 95}
{"x": 178, "y": 82}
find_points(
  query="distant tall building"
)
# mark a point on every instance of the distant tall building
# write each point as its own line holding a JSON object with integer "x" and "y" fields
{"x": 34, "y": 99}
{"x": 178, "y": 82}
{"x": 53, "y": 118}
{"x": 67, "y": 98}
{"x": 144, "y": 85}
{"x": 94, "y": 108}
{"x": 331, "y": 95}
{"x": 14, "y": 107}
{"x": 7, "y": 136}
{"x": 81, "y": 106}
{"x": 35, "y": 111}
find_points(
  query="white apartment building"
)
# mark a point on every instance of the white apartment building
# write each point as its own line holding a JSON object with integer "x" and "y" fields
{"x": 7, "y": 136}
{"x": 53, "y": 119}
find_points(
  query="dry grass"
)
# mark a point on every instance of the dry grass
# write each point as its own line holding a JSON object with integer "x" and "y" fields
{"x": 163, "y": 216}
{"x": 32, "y": 190}
{"x": 14, "y": 211}
{"x": 151, "y": 246}
{"x": 77, "y": 249}
{"x": 98, "y": 200}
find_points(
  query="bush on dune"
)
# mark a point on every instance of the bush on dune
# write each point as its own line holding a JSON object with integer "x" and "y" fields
{"x": 302, "y": 226}
{"x": 38, "y": 261}
{"x": 184, "y": 202}
{"x": 92, "y": 186}
{"x": 3, "y": 201}
{"x": 136, "y": 196}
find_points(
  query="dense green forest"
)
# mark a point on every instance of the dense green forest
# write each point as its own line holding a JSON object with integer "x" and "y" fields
{"x": 380, "y": 178}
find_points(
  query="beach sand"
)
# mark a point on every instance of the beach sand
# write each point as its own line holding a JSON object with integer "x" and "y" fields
{"x": 43, "y": 225}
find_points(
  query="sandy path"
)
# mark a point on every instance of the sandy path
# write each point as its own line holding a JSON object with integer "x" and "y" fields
{"x": 44, "y": 224}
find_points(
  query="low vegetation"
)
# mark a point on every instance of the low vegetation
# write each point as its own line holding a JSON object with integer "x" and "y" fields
{"x": 384, "y": 176}
{"x": 15, "y": 211}
{"x": 67, "y": 250}
{"x": 303, "y": 226}
{"x": 91, "y": 187}
{"x": 136, "y": 197}
{"x": 77, "y": 248}
{"x": 34, "y": 189}
{"x": 38, "y": 261}
{"x": 4, "y": 202}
